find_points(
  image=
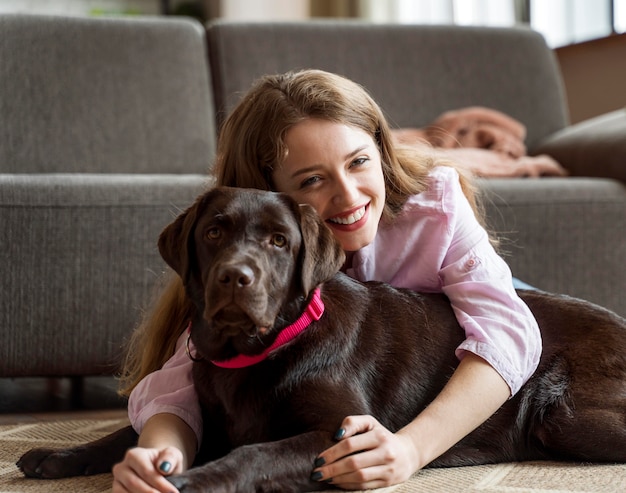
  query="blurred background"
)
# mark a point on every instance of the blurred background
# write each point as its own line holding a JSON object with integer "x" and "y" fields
{"x": 588, "y": 36}
{"x": 560, "y": 21}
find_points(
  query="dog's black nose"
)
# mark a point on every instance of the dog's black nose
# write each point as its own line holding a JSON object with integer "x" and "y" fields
{"x": 236, "y": 275}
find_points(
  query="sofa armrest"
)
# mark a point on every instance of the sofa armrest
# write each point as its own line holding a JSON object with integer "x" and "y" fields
{"x": 594, "y": 147}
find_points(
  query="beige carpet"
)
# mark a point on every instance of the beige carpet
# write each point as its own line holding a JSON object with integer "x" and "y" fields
{"x": 532, "y": 477}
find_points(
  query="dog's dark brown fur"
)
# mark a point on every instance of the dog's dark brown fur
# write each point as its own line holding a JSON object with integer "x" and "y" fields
{"x": 250, "y": 260}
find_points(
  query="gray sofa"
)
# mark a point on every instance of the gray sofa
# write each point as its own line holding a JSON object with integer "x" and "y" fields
{"x": 108, "y": 127}
{"x": 106, "y": 133}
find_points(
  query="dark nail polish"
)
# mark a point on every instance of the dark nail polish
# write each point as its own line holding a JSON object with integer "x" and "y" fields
{"x": 165, "y": 466}
{"x": 316, "y": 476}
{"x": 319, "y": 462}
{"x": 340, "y": 433}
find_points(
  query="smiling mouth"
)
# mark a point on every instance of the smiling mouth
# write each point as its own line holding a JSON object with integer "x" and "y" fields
{"x": 352, "y": 218}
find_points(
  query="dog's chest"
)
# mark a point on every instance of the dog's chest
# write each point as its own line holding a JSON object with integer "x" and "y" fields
{"x": 242, "y": 402}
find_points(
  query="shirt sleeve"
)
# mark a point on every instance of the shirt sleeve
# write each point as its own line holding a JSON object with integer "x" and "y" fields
{"x": 499, "y": 326}
{"x": 168, "y": 390}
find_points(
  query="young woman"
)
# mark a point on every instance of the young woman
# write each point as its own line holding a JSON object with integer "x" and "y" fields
{"x": 402, "y": 217}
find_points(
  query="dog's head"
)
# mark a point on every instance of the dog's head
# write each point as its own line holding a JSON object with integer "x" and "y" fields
{"x": 249, "y": 260}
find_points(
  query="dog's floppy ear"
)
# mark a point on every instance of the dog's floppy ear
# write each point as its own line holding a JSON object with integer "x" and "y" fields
{"x": 174, "y": 241}
{"x": 321, "y": 255}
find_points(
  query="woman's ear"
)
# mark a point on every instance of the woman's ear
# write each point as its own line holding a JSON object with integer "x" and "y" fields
{"x": 321, "y": 255}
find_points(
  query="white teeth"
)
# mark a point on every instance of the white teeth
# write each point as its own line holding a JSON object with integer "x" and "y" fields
{"x": 351, "y": 219}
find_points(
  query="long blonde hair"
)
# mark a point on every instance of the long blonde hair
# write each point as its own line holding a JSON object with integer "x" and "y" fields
{"x": 250, "y": 149}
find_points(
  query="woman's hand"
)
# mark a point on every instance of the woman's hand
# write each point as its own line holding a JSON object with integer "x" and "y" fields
{"x": 370, "y": 456}
{"x": 143, "y": 470}
{"x": 367, "y": 456}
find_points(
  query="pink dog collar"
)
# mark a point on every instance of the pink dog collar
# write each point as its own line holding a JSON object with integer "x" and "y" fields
{"x": 313, "y": 311}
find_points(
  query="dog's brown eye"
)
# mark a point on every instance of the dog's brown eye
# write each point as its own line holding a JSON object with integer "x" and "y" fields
{"x": 213, "y": 233}
{"x": 279, "y": 240}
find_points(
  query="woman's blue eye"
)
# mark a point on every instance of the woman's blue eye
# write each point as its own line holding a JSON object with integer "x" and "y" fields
{"x": 359, "y": 161}
{"x": 309, "y": 181}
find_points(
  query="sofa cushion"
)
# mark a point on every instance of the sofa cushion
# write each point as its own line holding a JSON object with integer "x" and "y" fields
{"x": 81, "y": 263}
{"x": 414, "y": 72}
{"x": 104, "y": 95}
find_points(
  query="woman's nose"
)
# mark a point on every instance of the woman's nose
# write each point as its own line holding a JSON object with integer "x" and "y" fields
{"x": 345, "y": 191}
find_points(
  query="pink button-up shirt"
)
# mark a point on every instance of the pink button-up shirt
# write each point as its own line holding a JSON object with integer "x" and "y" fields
{"x": 435, "y": 245}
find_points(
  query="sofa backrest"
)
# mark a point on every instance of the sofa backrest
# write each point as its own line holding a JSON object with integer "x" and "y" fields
{"x": 414, "y": 72}
{"x": 98, "y": 95}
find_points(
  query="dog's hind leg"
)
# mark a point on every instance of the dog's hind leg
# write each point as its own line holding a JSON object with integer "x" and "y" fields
{"x": 91, "y": 458}
{"x": 593, "y": 429}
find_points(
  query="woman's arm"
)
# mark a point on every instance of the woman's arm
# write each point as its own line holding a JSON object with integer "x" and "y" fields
{"x": 164, "y": 409}
{"x": 167, "y": 430}
{"x": 169, "y": 390}
{"x": 472, "y": 395}
{"x": 167, "y": 445}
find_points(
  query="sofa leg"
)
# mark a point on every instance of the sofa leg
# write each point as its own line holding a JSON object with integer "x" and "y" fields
{"x": 77, "y": 392}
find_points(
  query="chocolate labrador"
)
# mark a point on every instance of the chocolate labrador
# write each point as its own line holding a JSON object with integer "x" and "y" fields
{"x": 285, "y": 347}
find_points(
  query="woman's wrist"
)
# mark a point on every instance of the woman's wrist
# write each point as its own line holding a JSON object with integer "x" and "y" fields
{"x": 168, "y": 430}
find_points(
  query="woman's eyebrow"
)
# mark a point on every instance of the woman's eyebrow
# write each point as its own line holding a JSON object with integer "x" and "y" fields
{"x": 356, "y": 151}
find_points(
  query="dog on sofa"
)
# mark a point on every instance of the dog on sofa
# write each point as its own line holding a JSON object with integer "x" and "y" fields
{"x": 286, "y": 347}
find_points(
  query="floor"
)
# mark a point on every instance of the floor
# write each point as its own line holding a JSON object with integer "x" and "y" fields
{"x": 44, "y": 399}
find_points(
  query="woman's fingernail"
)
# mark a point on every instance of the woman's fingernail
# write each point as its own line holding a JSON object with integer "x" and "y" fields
{"x": 316, "y": 476}
{"x": 319, "y": 462}
{"x": 165, "y": 466}
{"x": 340, "y": 433}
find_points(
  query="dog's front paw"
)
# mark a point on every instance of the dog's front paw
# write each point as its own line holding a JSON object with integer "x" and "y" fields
{"x": 189, "y": 483}
{"x": 46, "y": 463}
{"x": 224, "y": 480}
{"x": 207, "y": 478}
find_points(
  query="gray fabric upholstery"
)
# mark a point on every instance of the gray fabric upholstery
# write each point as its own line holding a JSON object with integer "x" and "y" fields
{"x": 81, "y": 264}
{"x": 107, "y": 131}
{"x": 104, "y": 95}
{"x": 566, "y": 235}
{"x": 414, "y": 72}
{"x": 563, "y": 235}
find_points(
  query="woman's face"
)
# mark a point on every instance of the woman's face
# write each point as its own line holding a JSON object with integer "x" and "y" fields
{"x": 335, "y": 168}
